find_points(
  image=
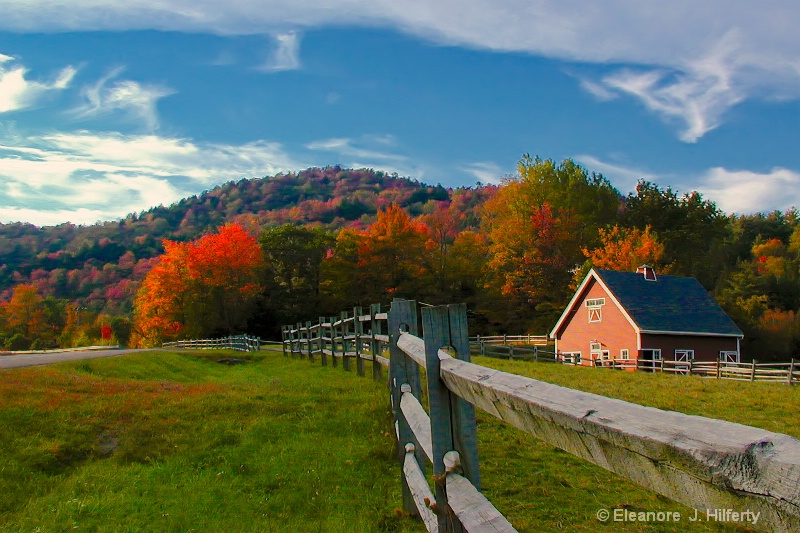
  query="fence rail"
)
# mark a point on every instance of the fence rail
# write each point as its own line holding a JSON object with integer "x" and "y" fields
{"x": 700, "y": 462}
{"x": 241, "y": 343}
{"x": 503, "y": 347}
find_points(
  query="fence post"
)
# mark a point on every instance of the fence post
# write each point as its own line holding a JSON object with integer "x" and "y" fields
{"x": 535, "y": 354}
{"x": 283, "y": 340}
{"x": 690, "y": 366}
{"x": 358, "y": 331}
{"x": 466, "y": 429}
{"x": 791, "y": 372}
{"x": 336, "y": 336}
{"x": 310, "y": 342}
{"x": 719, "y": 366}
{"x": 511, "y": 352}
{"x": 446, "y": 414}
{"x": 753, "y": 373}
{"x": 403, "y": 371}
{"x": 323, "y": 344}
{"x": 375, "y": 345}
{"x": 345, "y": 332}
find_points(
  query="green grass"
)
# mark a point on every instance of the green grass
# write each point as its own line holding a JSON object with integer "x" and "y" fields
{"x": 541, "y": 488}
{"x": 166, "y": 441}
{"x": 170, "y": 441}
{"x": 771, "y": 406}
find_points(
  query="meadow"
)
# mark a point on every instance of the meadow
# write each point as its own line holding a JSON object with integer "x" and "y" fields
{"x": 174, "y": 441}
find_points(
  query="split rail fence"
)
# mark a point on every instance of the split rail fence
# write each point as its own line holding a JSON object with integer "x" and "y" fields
{"x": 517, "y": 347}
{"x": 240, "y": 343}
{"x": 700, "y": 462}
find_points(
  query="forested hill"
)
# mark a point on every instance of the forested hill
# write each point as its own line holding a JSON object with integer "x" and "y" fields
{"x": 101, "y": 265}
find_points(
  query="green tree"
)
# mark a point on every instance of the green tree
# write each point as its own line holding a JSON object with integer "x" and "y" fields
{"x": 692, "y": 230}
{"x": 293, "y": 263}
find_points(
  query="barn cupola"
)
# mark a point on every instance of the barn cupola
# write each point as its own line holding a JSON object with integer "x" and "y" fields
{"x": 648, "y": 272}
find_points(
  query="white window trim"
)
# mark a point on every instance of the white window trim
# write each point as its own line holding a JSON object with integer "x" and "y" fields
{"x": 595, "y": 302}
{"x": 624, "y": 353}
{"x": 597, "y": 312}
{"x": 724, "y": 355}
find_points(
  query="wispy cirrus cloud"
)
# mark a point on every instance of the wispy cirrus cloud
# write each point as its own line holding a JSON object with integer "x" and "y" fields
{"x": 485, "y": 171}
{"x": 622, "y": 176}
{"x": 688, "y": 62}
{"x": 17, "y": 92}
{"x": 135, "y": 101}
{"x": 286, "y": 54}
{"x": 366, "y": 148}
{"x": 697, "y": 95}
{"x": 88, "y": 176}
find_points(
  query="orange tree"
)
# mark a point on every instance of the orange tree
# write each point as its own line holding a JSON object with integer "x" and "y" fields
{"x": 392, "y": 257}
{"x": 199, "y": 288}
{"x": 624, "y": 249}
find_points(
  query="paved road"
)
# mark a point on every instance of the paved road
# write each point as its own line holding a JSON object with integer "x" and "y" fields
{"x": 17, "y": 361}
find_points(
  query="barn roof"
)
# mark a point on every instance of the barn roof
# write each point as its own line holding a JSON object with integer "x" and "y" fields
{"x": 668, "y": 304}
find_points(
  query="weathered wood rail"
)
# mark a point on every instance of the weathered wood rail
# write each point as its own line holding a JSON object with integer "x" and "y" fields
{"x": 241, "y": 343}
{"x": 704, "y": 463}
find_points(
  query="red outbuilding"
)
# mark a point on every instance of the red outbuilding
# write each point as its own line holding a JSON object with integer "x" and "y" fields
{"x": 644, "y": 316}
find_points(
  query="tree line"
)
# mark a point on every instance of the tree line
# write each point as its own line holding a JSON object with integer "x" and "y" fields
{"x": 514, "y": 253}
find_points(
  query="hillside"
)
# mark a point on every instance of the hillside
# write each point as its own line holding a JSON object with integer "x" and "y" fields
{"x": 100, "y": 266}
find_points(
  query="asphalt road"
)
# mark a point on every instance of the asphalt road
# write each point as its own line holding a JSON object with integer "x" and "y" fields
{"x": 17, "y": 361}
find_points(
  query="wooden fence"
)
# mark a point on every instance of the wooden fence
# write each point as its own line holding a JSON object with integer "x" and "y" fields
{"x": 504, "y": 347}
{"x": 240, "y": 343}
{"x": 706, "y": 464}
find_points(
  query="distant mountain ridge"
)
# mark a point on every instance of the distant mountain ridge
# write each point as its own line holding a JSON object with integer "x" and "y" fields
{"x": 102, "y": 264}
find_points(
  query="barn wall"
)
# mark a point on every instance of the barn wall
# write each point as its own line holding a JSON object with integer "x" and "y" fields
{"x": 705, "y": 348}
{"x": 614, "y": 332}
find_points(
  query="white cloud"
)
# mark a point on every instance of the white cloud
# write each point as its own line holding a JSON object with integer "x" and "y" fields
{"x": 286, "y": 55}
{"x": 486, "y": 172}
{"x": 87, "y": 176}
{"x": 136, "y": 101}
{"x": 359, "y": 148}
{"x": 685, "y": 60}
{"x": 621, "y": 176}
{"x": 18, "y": 92}
{"x": 744, "y": 191}
{"x": 698, "y": 94}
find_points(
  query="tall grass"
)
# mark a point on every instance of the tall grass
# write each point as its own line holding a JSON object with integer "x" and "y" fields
{"x": 168, "y": 441}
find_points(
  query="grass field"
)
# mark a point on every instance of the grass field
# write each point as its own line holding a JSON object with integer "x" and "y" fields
{"x": 168, "y": 441}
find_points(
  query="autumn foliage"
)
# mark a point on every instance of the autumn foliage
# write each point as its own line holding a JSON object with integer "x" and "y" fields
{"x": 331, "y": 239}
{"x": 199, "y": 288}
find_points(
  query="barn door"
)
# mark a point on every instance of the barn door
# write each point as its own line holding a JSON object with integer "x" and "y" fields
{"x": 682, "y": 359}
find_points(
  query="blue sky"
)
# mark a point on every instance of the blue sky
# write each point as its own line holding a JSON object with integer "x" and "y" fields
{"x": 108, "y": 108}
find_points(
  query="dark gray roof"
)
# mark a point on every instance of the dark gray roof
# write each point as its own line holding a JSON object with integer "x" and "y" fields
{"x": 670, "y": 304}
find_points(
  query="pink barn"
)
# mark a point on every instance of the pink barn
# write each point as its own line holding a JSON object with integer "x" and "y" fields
{"x": 644, "y": 316}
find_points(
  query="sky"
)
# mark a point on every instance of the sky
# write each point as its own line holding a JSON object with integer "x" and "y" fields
{"x": 109, "y": 108}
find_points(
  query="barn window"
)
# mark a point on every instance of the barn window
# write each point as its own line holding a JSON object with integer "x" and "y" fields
{"x": 684, "y": 355}
{"x": 595, "y": 306}
{"x": 624, "y": 353}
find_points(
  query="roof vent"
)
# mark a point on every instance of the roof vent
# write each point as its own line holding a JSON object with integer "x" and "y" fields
{"x": 648, "y": 272}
